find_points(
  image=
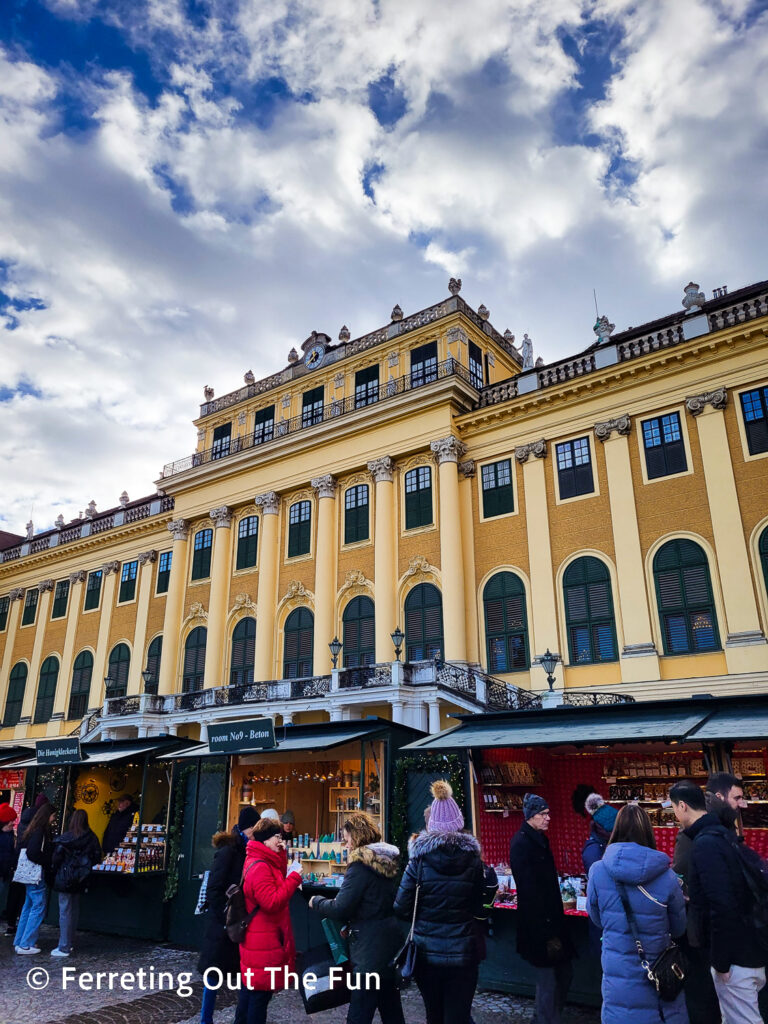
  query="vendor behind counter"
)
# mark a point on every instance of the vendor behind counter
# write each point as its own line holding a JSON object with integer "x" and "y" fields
{"x": 119, "y": 824}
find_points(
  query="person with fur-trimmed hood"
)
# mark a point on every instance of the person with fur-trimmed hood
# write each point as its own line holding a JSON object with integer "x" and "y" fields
{"x": 446, "y": 864}
{"x": 227, "y": 869}
{"x": 364, "y": 903}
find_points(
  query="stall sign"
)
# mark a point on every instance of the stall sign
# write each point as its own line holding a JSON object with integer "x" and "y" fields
{"x": 238, "y": 737}
{"x": 62, "y": 751}
{"x": 12, "y": 780}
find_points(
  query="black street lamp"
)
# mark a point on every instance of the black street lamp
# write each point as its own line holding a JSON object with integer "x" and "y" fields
{"x": 335, "y": 646}
{"x": 397, "y": 639}
{"x": 549, "y": 663}
{"x": 108, "y": 681}
{"x": 146, "y": 675}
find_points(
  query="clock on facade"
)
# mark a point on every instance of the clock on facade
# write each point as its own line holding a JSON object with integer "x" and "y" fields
{"x": 314, "y": 356}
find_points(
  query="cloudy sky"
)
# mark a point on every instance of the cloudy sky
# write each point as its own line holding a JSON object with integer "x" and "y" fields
{"x": 189, "y": 187}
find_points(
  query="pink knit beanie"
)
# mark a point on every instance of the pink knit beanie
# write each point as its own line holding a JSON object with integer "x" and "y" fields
{"x": 445, "y": 815}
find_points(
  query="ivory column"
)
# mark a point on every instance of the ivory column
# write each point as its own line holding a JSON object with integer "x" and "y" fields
{"x": 174, "y": 607}
{"x": 61, "y": 704}
{"x": 745, "y": 645}
{"x": 266, "y": 595}
{"x": 16, "y": 597}
{"x": 325, "y": 571}
{"x": 109, "y": 573}
{"x": 146, "y": 560}
{"x": 467, "y": 473}
{"x": 543, "y": 618}
{"x": 217, "y": 603}
{"x": 385, "y": 571}
{"x": 639, "y": 660}
{"x": 45, "y": 589}
{"x": 448, "y": 451}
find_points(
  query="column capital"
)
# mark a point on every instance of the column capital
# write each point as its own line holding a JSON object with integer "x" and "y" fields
{"x": 269, "y": 503}
{"x": 16, "y": 594}
{"x": 467, "y": 469}
{"x": 179, "y": 529}
{"x": 221, "y": 516}
{"x": 621, "y": 424}
{"x": 146, "y": 557}
{"x": 718, "y": 399}
{"x": 448, "y": 449}
{"x": 536, "y": 448}
{"x": 382, "y": 469}
{"x": 110, "y": 567}
{"x": 44, "y": 586}
{"x": 77, "y": 577}
{"x": 324, "y": 486}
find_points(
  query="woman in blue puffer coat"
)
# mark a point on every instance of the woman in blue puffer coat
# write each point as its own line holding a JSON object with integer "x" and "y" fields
{"x": 658, "y": 906}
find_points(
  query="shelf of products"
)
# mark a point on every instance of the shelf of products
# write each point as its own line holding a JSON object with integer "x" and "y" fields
{"x": 139, "y": 852}
{"x": 509, "y": 773}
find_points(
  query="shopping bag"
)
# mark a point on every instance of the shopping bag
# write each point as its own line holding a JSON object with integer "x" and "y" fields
{"x": 336, "y": 940}
{"x": 321, "y": 994}
{"x": 27, "y": 872}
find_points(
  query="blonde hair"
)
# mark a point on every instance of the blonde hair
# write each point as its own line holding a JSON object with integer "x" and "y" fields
{"x": 362, "y": 829}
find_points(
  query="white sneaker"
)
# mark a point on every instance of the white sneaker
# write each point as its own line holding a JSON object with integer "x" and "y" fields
{"x": 27, "y": 952}
{"x": 58, "y": 952}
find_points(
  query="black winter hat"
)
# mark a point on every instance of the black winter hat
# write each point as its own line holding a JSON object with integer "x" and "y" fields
{"x": 533, "y": 804}
{"x": 266, "y": 828}
{"x": 248, "y": 818}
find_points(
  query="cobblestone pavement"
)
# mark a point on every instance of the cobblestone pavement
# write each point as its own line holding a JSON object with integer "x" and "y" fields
{"x": 20, "y": 1004}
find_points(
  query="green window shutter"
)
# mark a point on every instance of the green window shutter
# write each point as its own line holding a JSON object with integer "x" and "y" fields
{"x": 506, "y": 623}
{"x": 298, "y": 644}
{"x": 685, "y": 598}
{"x": 423, "y": 623}
{"x": 93, "y": 590}
{"x": 60, "y": 600}
{"x": 243, "y": 652}
{"x": 358, "y": 633}
{"x": 247, "y": 542}
{"x": 201, "y": 557}
{"x": 164, "y": 572}
{"x": 79, "y": 693}
{"x": 117, "y": 670}
{"x": 193, "y": 678}
{"x": 46, "y": 691}
{"x": 14, "y": 702}
{"x": 589, "y": 614}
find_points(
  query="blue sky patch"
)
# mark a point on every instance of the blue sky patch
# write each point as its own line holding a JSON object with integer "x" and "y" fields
{"x": 387, "y": 100}
{"x": 22, "y": 389}
{"x": 372, "y": 173}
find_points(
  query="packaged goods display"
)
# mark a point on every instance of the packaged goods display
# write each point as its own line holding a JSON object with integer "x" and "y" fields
{"x": 141, "y": 850}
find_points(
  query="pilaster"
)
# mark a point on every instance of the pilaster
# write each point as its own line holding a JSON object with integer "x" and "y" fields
{"x": 61, "y": 704}
{"x": 746, "y": 649}
{"x": 174, "y": 606}
{"x": 448, "y": 450}
{"x": 14, "y": 615}
{"x": 466, "y": 476}
{"x": 45, "y": 590}
{"x": 266, "y": 596}
{"x": 109, "y": 574}
{"x": 217, "y": 604}
{"x": 146, "y": 560}
{"x": 325, "y": 571}
{"x": 385, "y": 572}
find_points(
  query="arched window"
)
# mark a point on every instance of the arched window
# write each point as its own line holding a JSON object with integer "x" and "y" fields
{"x": 763, "y": 549}
{"x": 15, "y": 699}
{"x": 243, "y": 652}
{"x": 685, "y": 600}
{"x": 194, "y": 660}
{"x": 506, "y": 623}
{"x": 298, "y": 644}
{"x": 81, "y": 685}
{"x": 201, "y": 555}
{"x": 154, "y": 656}
{"x": 589, "y": 616}
{"x": 117, "y": 673}
{"x": 358, "y": 633}
{"x": 423, "y": 623}
{"x": 46, "y": 690}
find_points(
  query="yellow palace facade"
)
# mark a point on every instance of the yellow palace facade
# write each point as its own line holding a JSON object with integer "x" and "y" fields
{"x": 430, "y": 478}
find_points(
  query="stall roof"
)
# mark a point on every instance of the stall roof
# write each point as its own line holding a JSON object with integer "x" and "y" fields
{"x": 119, "y": 750}
{"x": 694, "y": 719}
{"x": 318, "y": 736}
{"x": 8, "y": 754}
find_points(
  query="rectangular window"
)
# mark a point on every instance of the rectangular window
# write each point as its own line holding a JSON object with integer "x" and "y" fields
{"x": 312, "y": 407}
{"x": 221, "y": 436}
{"x": 60, "y": 599}
{"x": 5, "y": 604}
{"x": 30, "y": 607}
{"x": 164, "y": 572}
{"x": 498, "y": 495}
{"x": 264, "y": 425}
{"x": 574, "y": 468}
{"x": 247, "y": 542}
{"x": 418, "y": 497}
{"x": 424, "y": 364}
{"x": 356, "y": 514}
{"x": 201, "y": 556}
{"x": 299, "y": 528}
{"x": 475, "y": 365}
{"x": 128, "y": 581}
{"x": 92, "y": 590}
{"x": 754, "y": 408}
{"x": 366, "y": 386}
{"x": 664, "y": 447}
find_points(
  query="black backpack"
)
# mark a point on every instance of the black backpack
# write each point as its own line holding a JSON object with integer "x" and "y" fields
{"x": 73, "y": 872}
{"x": 754, "y": 870}
{"x": 236, "y": 915}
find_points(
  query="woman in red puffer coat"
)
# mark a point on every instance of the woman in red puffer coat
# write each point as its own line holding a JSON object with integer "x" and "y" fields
{"x": 269, "y": 939}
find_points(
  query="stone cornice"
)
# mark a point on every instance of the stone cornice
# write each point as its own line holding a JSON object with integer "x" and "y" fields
{"x": 269, "y": 503}
{"x": 382, "y": 469}
{"x": 448, "y": 449}
{"x": 536, "y": 448}
{"x": 718, "y": 399}
{"x": 621, "y": 425}
{"x": 221, "y": 517}
{"x": 324, "y": 486}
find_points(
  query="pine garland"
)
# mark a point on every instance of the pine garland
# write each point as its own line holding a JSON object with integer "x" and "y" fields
{"x": 447, "y": 765}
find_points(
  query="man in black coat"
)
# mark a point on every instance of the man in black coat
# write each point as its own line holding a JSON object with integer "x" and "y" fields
{"x": 542, "y": 936}
{"x": 119, "y": 824}
{"x": 722, "y": 904}
{"x": 227, "y": 869}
